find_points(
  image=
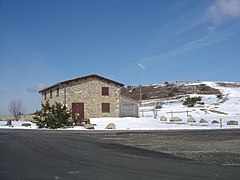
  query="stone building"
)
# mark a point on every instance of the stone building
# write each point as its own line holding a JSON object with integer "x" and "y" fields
{"x": 89, "y": 96}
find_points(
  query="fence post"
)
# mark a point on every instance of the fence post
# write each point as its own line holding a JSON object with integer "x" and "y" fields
{"x": 155, "y": 113}
{"x": 220, "y": 122}
{"x": 172, "y": 114}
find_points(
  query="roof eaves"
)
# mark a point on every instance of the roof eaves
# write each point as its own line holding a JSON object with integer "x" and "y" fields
{"x": 83, "y": 77}
{"x": 49, "y": 87}
{"x": 94, "y": 76}
{"x": 130, "y": 99}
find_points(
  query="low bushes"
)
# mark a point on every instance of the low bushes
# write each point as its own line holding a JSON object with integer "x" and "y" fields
{"x": 190, "y": 102}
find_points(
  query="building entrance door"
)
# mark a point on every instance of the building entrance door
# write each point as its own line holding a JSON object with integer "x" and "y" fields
{"x": 77, "y": 111}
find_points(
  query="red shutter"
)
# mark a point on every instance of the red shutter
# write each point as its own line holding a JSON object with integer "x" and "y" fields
{"x": 57, "y": 91}
{"x": 105, "y": 107}
{"x": 50, "y": 93}
{"x": 105, "y": 91}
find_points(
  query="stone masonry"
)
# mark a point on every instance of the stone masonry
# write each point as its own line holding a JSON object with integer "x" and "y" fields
{"x": 88, "y": 91}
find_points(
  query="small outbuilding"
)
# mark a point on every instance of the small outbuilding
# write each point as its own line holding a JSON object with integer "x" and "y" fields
{"x": 128, "y": 107}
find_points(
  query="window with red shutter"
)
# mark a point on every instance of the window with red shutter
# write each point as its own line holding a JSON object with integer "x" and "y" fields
{"x": 105, "y": 107}
{"x": 50, "y": 93}
{"x": 57, "y": 91}
{"x": 105, "y": 91}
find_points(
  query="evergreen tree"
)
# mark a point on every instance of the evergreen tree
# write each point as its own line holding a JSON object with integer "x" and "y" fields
{"x": 55, "y": 116}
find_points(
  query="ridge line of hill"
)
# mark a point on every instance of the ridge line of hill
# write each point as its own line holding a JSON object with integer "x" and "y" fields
{"x": 177, "y": 89}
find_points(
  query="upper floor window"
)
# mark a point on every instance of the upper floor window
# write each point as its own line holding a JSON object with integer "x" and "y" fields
{"x": 57, "y": 91}
{"x": 50, "y": 93}
{"x": 105, "y": 91}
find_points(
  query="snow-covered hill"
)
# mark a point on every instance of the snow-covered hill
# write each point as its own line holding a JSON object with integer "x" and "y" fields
{"x": 230, "y": 103}
{"x": 226, "y": 107}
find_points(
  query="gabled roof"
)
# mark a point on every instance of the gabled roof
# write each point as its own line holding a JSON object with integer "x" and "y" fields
{"x": 84, "y": 77}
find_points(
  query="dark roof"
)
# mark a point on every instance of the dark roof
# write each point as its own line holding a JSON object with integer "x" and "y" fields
{"x": 130, "y": 99}
{"x": 83, "y": 77}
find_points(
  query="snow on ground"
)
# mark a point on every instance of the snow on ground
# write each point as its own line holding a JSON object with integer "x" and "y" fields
{"x": 17, "y": 125}
{"x": 232, "y": 97}
{"x": 227, "y": 108}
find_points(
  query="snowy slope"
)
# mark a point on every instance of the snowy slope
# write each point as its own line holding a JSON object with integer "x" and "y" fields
{"x": 232, "y": 97}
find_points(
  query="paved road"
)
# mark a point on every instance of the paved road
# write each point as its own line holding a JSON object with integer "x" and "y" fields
{"x": 26, "y": 154}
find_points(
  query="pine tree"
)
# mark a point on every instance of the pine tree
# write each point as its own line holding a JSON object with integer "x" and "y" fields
{"x": 55, "y": 116}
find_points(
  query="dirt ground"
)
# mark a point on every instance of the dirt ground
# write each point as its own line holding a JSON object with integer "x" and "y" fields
{"x": 211, "y": 146}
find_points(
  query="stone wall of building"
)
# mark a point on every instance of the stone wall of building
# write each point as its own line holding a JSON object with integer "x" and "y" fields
{"x": 55, "y": 98}
{"x": 89, "y": 92}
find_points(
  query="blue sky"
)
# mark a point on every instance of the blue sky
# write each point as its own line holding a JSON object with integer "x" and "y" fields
{"x": 46, "y": 41}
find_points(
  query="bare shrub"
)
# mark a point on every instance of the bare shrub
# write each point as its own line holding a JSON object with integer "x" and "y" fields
{"x": 16, "y": 109}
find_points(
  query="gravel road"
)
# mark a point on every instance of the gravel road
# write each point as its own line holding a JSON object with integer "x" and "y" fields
{"x": 211, "y": 146}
